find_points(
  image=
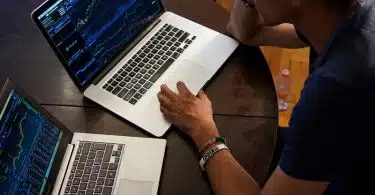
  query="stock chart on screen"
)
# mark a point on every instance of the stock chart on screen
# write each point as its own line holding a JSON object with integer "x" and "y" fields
{"x": 89, "y": 33}
{"x": 28, "y": 144}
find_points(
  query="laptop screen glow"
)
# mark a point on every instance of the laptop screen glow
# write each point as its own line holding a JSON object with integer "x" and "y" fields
{"x": 88, "y": 34}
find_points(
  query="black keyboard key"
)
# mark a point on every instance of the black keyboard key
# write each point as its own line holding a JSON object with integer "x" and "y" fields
{"x": 120, "y": 95}
{"x": 175, "y": 29}
{"x": 81, "y": 166}
{"x": 83, "y": 158}
{"x": 137, "y": 86}
{"x": 190, "y": 41}
{"x": 69, "y": 183}
{"x": 159, "y": 38}
{"x": 164, "y": 58}
{"x": 76, "y": 181}
{"x": 173, "y": 48}
{"x": 96, "y": 169}
{"x": 177, "y": 44}
{"x": 134, "y": 81}
{"x": 137, "y": 95}
{"x": 109, "y": 88}
{"x": 83, "y": 186}
{"x": 151, "y": 46}
{"x": 146, "y": 76}
{"x": 129, "y": 86}
{"x": 160, "y": 62}
{"x": 127, "y": 79}
{"x": 128, "y": 69}
{"x": 155, "y": 42}
{"x": 168, "y": 53}
{"x": 161, "y": 70}
{"x": 124, "y": 74}
{"x": 165, "y": 48}
{"x": 71, "y": 176}
{"x": 86, "y": 148}
{"x": 167, "y": 38}
{"x": 94, "y": 177}
{"x": 118, "y": 78}
{"x": 163, "y": 33}
{"x": 75, "y": 163}
{"x": 147, "y": 85}
{"x": 151, "y": 71}
{"x": 107, "y": 190}
{"x": 152, "y": 61}
{"x": 126, "y": 98}
{"x": 74, "y": 189}
{"x": 143, "y": 71}
{"x": 102, "y": 173}
{"x": 97, "y": 161}
{"x": 145, "y": 60}
{"x": 169, "y": 27}
{"x": 81, "y": 193}
{"x": 179, "y": 33}
{"x": 116, "y": 90}
{"x": 176, "y": 55}
{"x": 171, "y": 34}
{"x": 186, "y": 46}
{"x": 158, "y": 47}
{"x": 174, "y": 39}
{"x": 137, "y": 60}
{"x": 108, "y": 149}
{"x": 148, "y": 66}
{"x": 155, "y": 67}
{"x": 105, "y": 86}
{"x": 142, "y": 91}
{"x": 111, "y": 174}
{"x": 147, "y": 50}
{"x": 161, "y": 52}
{"x": 156, "y": 57}
{"x": 114, "y": 83}
{"x": 87, "y": 170}
{"x": 169, "y": 44}
{"x": 89, "y": 192}
{"x": 85, "y": 178}
{"x": 67, "y": 189}
{"x": 105, "y": 165}
{"x": 117, "y": 160}
{"x": 91, "y": 185}
{"x": 122, "y": 84}
{"x": 136, "y": 69}
{"x": 180, "y": 50}
{"x": 133, "y": 101}
{"x": 77, "y": 157}
{"x": 100, "y": 154}
{"x": 194, "y": 38}
{"x": 141, "y": 65}
{"x": 100, "y": 180}
{"x": 142, "y": 81}
{"x": 163, "y": 42}
{"x": 109, "y": 182}
{"x": 132, "y": 74}
{"x": 98, "y": 189}
{"x": 89, "y": 162}
{"x": 142, "y": 55}
{"x": 79, "y": 173}
{"x": 150, "y": 55}
{"x": 138, "y": 76}
{"x": 183, "y": 37}
{"x": 135, "y": 56}
{"x": 132, "y": 65}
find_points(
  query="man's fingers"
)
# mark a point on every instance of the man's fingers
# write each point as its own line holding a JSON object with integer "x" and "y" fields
{"x": 168, "y": 115}
{"x": 167, "y": 92}
{"x": 202, "y": 95}
{"x": 183, "y": 90}
{"x": 164, "y": 101}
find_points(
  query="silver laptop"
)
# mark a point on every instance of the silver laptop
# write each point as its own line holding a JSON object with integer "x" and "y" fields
{"x": 38, "y": 155}
{"x": 119, "y": 53}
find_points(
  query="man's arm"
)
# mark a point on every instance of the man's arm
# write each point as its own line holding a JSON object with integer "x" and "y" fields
{"x": 246, "y": 25}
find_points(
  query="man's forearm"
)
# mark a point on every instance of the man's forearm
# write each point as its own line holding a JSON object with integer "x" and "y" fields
{"x": 227, "y": 177}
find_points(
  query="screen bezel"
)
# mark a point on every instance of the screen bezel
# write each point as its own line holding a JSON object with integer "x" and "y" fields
{"x": 65, "y": 139}
{"x": 113, "y": 61}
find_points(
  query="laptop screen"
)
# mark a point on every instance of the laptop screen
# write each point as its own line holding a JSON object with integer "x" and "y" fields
{"x": 28, "y": 145}
{"x": 88, "y": 34}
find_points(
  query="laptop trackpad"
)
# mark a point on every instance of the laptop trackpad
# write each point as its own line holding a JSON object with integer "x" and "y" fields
{"x": 132, "y": 187}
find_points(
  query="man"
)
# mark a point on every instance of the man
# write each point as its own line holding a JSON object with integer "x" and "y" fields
{"x": 329, "y": 149}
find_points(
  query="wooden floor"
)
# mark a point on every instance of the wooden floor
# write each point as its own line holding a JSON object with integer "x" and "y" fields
{"x": 297, "y": 60}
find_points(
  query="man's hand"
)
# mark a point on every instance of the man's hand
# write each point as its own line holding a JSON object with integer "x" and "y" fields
{"x": 190, "y": 113}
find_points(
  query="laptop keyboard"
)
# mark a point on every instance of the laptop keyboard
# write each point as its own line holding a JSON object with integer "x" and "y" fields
{"x": 94, "y": 168}
{"x": 138, "y": 75}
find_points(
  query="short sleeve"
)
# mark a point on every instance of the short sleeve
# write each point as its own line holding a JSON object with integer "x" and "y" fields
{"x": 314, "y": 148}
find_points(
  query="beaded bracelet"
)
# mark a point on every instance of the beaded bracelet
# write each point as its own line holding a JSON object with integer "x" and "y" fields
{"x": 212, "y": 141}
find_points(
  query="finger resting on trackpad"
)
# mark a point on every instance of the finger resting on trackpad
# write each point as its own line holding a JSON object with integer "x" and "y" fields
{"x": 132, "y": 187}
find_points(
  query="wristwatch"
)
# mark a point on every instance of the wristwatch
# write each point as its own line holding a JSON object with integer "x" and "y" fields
{"x": 248, "y": 3}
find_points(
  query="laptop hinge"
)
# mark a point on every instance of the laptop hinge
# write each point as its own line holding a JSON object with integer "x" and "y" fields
{"x": 63, "y": 168}
{"x": 126, "y": 50}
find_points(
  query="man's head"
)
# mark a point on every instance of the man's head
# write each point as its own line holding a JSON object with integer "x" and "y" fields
{"x": 288, "y": 11}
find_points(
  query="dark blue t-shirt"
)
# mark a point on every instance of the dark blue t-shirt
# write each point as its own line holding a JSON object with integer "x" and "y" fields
{"x": 332, "y": 128}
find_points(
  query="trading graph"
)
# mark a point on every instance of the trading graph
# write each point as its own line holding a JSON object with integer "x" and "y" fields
{"x": 27, "y": 147}
{"x": 89, "y": 34}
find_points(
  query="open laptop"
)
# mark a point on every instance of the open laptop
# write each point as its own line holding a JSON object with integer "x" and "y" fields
{"x": 38, "y": 155}
{"x": 119, "y": 53}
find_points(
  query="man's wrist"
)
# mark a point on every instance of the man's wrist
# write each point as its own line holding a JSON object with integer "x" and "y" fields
{"x": 204, "y": 133}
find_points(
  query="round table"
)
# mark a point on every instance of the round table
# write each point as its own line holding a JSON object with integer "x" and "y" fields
{"x": 242, "y": 94}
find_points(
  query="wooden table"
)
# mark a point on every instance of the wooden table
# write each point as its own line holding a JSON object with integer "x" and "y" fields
{"x": 242, "y": 94}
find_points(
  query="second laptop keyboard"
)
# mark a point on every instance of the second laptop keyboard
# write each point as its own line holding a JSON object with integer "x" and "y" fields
{"x": 133, "y": 80}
